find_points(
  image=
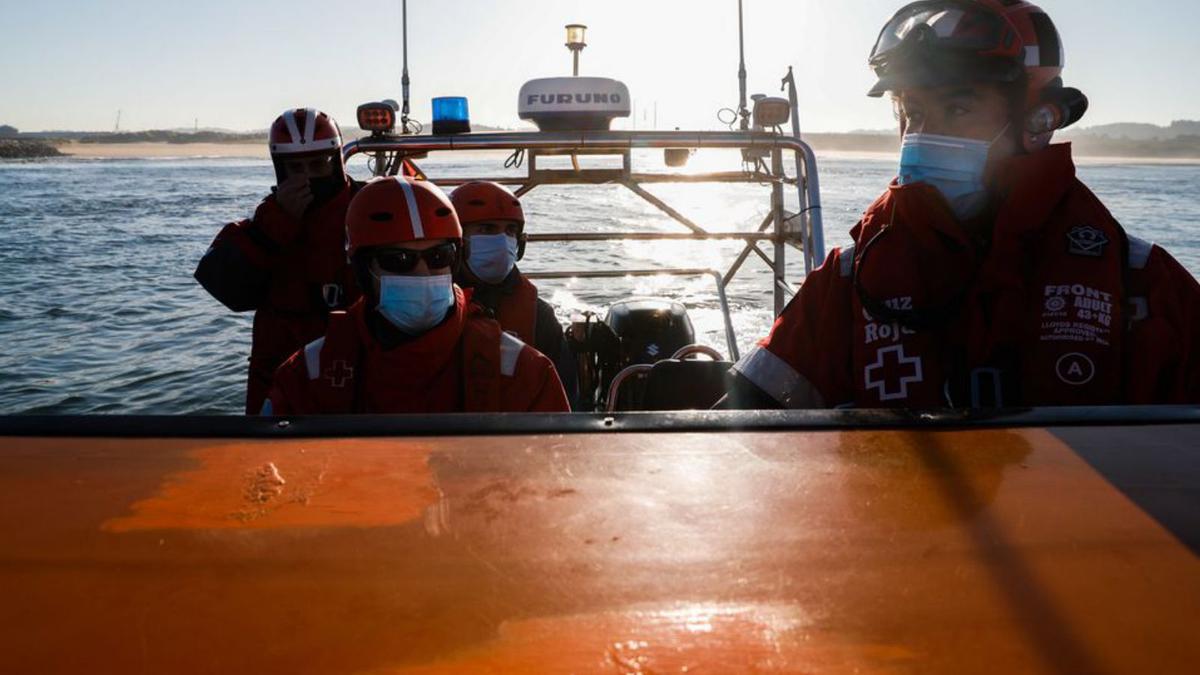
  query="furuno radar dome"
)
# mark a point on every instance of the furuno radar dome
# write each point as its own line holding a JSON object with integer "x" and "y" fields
{"x": 573, "y": 103}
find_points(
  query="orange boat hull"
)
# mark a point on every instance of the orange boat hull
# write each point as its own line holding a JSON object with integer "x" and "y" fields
{"x": 872, "y": 551}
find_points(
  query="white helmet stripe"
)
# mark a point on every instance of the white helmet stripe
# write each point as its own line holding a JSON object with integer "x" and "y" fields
{"x": 1033, "y": 56}
{"x": 414, "y": 213}
{"x": 310, "y": 124}
{"x": 289, "y": 118}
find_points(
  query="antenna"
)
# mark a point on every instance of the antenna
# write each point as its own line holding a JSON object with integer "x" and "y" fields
{"x": 404, "y": 76}
{"x": 117, "y": 126}
{"x": 742, "y": 111}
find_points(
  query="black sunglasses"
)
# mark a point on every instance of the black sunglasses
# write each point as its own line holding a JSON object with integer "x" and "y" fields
{"x": 403, "y": 260}
{"x": 312, "y": 164}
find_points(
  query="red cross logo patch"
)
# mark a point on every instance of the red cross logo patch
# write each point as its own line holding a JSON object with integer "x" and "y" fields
{"x": 338, "y": 374}
{"x": 892, "y": 372}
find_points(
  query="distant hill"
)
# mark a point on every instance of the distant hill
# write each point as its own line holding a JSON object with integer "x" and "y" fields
{"x": 177, "y": 136}
{"x": 859, "y": 141}
{"x": 1180, "y": 140}
{"x": 873, "y": 132}
{"x": 172, "y": 137}
{"x": 1131, "y": 131}
{"x": 1177, "y": 147}
{"x": 152, "y": 136}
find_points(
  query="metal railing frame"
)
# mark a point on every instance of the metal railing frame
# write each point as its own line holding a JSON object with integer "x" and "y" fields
{"x": 777, "y": 227}
{"x": 722, "y": 298}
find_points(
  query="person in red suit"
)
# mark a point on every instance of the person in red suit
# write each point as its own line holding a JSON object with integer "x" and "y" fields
{"x": 287, "y": 262}
{"x": 415, "y": 342}
{"x": 987, "y": 275}
{"x": 494, "y": 240}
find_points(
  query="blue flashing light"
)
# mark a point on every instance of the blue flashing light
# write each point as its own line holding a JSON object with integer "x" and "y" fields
{"x": 450, "y": 115}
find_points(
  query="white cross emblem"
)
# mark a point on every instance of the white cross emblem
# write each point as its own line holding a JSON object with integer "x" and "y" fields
{"x": 899, "y": 362}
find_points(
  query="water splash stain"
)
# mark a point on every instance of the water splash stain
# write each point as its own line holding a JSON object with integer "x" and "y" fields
{"x": 265, "y": 485}
{"x": 493, "y": 499}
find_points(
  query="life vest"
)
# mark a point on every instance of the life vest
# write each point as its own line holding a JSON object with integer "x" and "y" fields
{"x": 475, "y": 364}
{"x": 309, "y": 278}
{"x": 517, "y": 312}
{"x": 1060, "y": 308}
{"x": 312, "y": 275}
{"x": 512, "y": 303}
{"x": 292, "y": 287}
{"x": 1040, "y": 323}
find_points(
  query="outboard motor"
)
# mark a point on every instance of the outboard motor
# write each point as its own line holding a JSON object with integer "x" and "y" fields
{"x": 647, "y": 330}
{"x": 640, "y": 331}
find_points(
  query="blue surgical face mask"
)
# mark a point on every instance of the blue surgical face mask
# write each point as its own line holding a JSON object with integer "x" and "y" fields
{"x": 414, "y": 304}
{"x": 491, "y": 256}
{"x": 953, "y": 165}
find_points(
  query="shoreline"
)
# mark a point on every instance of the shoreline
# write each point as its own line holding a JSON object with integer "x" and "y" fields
{"x": 183, "y": 151}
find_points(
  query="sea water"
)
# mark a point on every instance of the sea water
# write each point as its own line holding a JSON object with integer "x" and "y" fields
{"x": 99, "y": 312}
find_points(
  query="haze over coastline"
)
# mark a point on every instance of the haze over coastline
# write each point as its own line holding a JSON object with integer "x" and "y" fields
{"x": 235, "y": 65}
{"x": 166, "y": 73}
{"x": 1177, "y": 141}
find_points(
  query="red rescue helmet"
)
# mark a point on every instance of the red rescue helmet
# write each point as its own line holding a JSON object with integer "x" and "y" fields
{"x": 481, "y": 201}
{"x": 938, "y": 42}
{"x": 394, "y": 210}
{"x": 303, "y": 131}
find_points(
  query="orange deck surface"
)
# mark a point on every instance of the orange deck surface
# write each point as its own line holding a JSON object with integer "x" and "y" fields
{"x": 868, "y": 551}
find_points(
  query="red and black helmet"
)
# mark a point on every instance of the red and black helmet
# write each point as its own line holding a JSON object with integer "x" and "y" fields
{"x": 939, "y": 42}
{"x": 306, "y": 132}
{"x": 395, "y": 210}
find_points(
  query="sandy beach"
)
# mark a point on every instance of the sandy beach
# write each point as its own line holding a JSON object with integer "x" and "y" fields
{"x": 163, "y": 150}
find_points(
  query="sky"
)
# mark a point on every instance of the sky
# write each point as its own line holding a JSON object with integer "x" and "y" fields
{"x": 236, "y": 64}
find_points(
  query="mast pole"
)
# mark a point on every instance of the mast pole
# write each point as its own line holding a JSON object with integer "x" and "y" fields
{"x": 742, "y": 111}
{"x": 404, "y": 81}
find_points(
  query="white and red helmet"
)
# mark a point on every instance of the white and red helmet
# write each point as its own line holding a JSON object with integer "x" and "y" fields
{"x": 303, "y": 131}
{"x": 397, "y": 209}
